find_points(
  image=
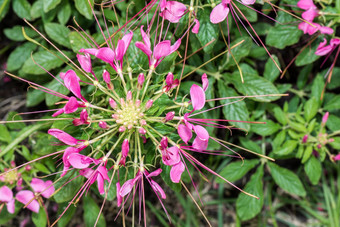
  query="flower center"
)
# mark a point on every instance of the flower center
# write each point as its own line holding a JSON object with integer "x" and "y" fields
{"x": 129, "y": 115}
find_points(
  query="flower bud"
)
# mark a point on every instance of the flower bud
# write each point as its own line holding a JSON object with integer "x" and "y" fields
{"x": 142, "y": 131}
{"x": 138, "y": 103}
{"x": 164, "y": 143}
{"x": 196, "y": 27}
{"x": 304, "y": 139}
{"x": 148, "y": 104}
{"x": 103, "y": 124}
{"x": 325, "y": 118}
{"x": 169, "y": 116}
{"x": 141, "y": 80}
{"x": 106, "y": 76}
{"x": 125, "y": 148}
{"x": 121, "y": 129}
{"x": 129, "y": 95}
{"x": 84, "y": 115}
{"x": 112, "y": 103}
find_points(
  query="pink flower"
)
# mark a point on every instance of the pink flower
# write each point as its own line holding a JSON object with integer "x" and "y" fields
{"x": 310, "y": 14}
{"x": 325, "y": 118}
{"x": 220, "y": 12}
{"x": 169, "y": 116}
{"x": 306, "y": 4}
{"x": 337, "y": 157}
{"x": 141, "y": 79}
{"x": 63, "y": 137}
{"x": 85, "y": 62}
{"x": 304, "y": 139}
{"x": 172, "y": 158}
{"x": 113, "y": 57}
{"x": 125, "y": 152}
{"x": 83, "y": 120}
{"x": 324, "y": 49}
{"x": 161, "y": 50}
{"x": 103, "y": 125}
{"x": 71, "y": 81}
{"x": 172, "y": 10}
{"x": 39, "y": 186}
{"x": 119, "y": 197}
{"x": 170, "y": 82}
{"x": 71, "y": 106}
{"x": 196, "y": 27}
{"x": 99, "y": 175}
{"x": 6, "y": 197}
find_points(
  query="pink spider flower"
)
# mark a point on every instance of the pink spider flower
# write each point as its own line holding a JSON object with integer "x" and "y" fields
{"x": 6, "y": 197}
{"x": 83, "y": 120}
{"x": 170, "y": 82}
{"x": 311, "y": 28}
{"x": 85, "y": 62}
{"x": 336, "y": 157}
{"x": 71, "y": 81}
{"x": 172, "y": 11}
{"x": 306, "y": 4}
{"x": 171, "y": 157}
{"x": 99, "y": 175}
{"x": 160, "y": 51}
{"x": 66, "y": 138}
{"x": 71, "y": 106}
{"x": 46, "y": 189}
{"x": 324, "y": 49}
{"x": 113, "y": 57}
{"x": 221, "y": 11}
{"x": 125, "y": 152}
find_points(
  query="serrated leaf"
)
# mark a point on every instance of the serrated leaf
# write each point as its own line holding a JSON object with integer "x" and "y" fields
{"x": 44, "y": 58}
{"x": 313, "y": 170}
{"x": 311, "y": 108}
{"x": 207, "y": 31}
{"x": 22, "y": 8}
{"x": 50, "y": 4}
{"x": 236, "y": 170}
{"x": 308, "y": 56}
{"x": 333, "y": 104}
{"x": 84, "y": 8}
{"x": 64, "y": 13}
{"x": 18, "y": 57}
{"x": 58, "y": 33}
{"x": 248, "y": 207}
{"x": 66, "y": 218}
{"x": 4, "y": 7}
{"x": 281, "y": 36}
{"x": 287, "y": 148}
{"x": 15, "y": 33}
{"x": 265, "y": 129}
{"x": 91, "y": 212}
{"x": 254, "y": 84}
{"x": 77, "y": 42}
{"x": 233, "y": 111}
{"x": 39, "y": 219}
{"x": 287, "y": 180}
{"x": 68, "y": 191}
{"x": 271, "y": 72}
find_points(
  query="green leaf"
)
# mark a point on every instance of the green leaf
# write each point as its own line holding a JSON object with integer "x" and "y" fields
{"x": 333, "y": 104}
{"x": 4, "y": 134}
{"x": 22, "y": 8}
{"x": 278, "y": 140}
{"x": 13, "y": 116}
{"x": 67, "y": 191}
{"x": 37, "y": 9}
{"x": 335, "y": 82}
{"x": 287, "y": 148}
{"x": 265, "y": 129}
{"x": 250, "y": 145}
{"x": 84, "y": 8}
{"x": 91, "y": 212}
{"x": 307, "y": 154}
{"x": 287, "y": 180}
{"x": 313, "y": 170}
{"x": 34, "y": 97}
{"x": 207, "y": 31}
{"x": 67, "y": 216}
{"x": 236, "y": 170}
{"x": 248, "y": 207}
{"x": 50, "y": 4}
{"x": 15, "y": 33}
{"x": 336, "y": 143}
{"x": 280, "y": 116}
{"x": 64, "y": 13}
{"x": 233, "y": 111}
{"x": 44, "y": 58}
{"x": 281, "y": 36}
{"x": 311, "y": 108}
{"x": 333, "y": 123}
{"x": 317, "y": 87}
{"x": 4, "y": 7}
{"x": 55, "y": 86}
{"x": 77, "y": 42}
{"x": 166, "y": 64}
{"x": 39, "y": 219}
{"x": 238, "y": 52}
{"x": 271, "y": 72}
{"x": 254, "y": 84}
{"x": 18, "y": 57}
{"x": 58, "y": 33}
{"x": 308, "y": 56}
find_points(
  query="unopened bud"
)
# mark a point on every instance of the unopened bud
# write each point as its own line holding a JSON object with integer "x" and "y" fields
{"x": 169, "y": 116}
{"x": 129, "y": 95}
{"x": 130, "y": 126}
{"x": 121, "y": 129}
{"x": 28, "y": 168}
{"x": 115, "y": 116}
{"x": 13, "y": 163}
{"x": 122, "y": 102}
{"x": 106, "y": 76}
{"x": 142, "y": 131}
{"x": 164, "y": 142}
{"x": 142, "y": 122}
{"x": 148, "y": 104}
{"x": 325, "y": 118}
{"x": 141, "y": 80}
{"x": 138, "y": 103}
{"x": 112, "y": 103}
{"x": 319, "y": 146}
{"x": 103, "y": 124}
{"x": 304, "y": 139}
{"x": 125, "y": 148}
{"x": 84, "y": 116}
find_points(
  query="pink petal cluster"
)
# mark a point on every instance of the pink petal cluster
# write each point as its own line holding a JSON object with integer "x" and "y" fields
{"x": 170, "y": 82}
{"x": 172, "y": 10}
{"x": 113, "y": 57}
{"x": 99, "y": 175}
{"x": 324, "y": 49}
{"x": 6, "y": 197}
{"x": 82, "y": 120}
{"x": 125, "y": 152}
{"x": 336, "y": 157}
{"x": 310, "y": 13}
{"x": 221, "y": 11}
{"x": 46, "y": 189}
{"x": 160, "y": 51}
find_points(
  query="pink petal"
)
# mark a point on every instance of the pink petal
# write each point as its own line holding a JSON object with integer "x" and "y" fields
{"x": 176, "y": 45}
{"x": 48, "y": 190}
{"x": 334, "y": 42}
{"x": 162, "y": 4}
{"x": 119, "y": 197}
{"x": 84, "y": 115}
{"x": 176, "y": 172}
{"x": 155, "y": 173}
{"x": 71, "y": 105}
{"x": 85, "y": 62}
{"x": 127, "y": 40}
{"x": 127, "y": 187}
{"x": 162, "y": 49}
{"x": 144, "y": 48}
{"x": 196, "y": 27}
{"x": 164, "y": 142}
{"x": 106, "y": 54}
{"x": 25, "y": 197}
{"x": 86, "y": 172}
{"x": 146, "y": 39}
{"x": 125, "y": 147}
{"x": 201, "y": 132}
{"x": 197, "y": 97}
{"x": 337, "y": 157}
{"x": 158, "y": 188}
{"x": 79, "y": 161}
{"x": 205, "y": 82}
{"x": 322, "y": 49}
{"x": 184, "y": 132}
{"x": 91, "y": 51}
{"x": 100, "y": 184}
{"x": 172, "y": 156}
{"x": 326, "y": 30}
{"x": 60, "y": 111}
{"x": 310, "y": 14}
{"x": 169, "y": 79}
{"x": 71, "y": 81}
{"x": 63, "y": 136}
{"x": 176, "y": 8}
{"x": 103, "y": 172}
{"x": 6, "y": 194}
{"x": 248, "y": 2}
{"x": 120, "y": 50}
{"x": 306, "y": 4}
{"x": 199, "y": 144}
{"x": 219, "y": 13}
{"x": 11, "y": 206}
{"x": 106, "y": 76}
{"x": 37, "y": 185}
{"x": 166, "y": 14}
